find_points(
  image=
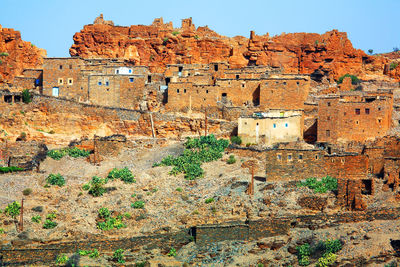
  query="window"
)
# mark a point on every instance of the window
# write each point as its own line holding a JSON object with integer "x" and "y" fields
{"x": 357, "y": 122}
{"x": 60, "y": 67}
{"x": 300, "y": 157}
{"x": 237, "y": 76}
{"x": 328, "y": 133}
{"x": 107, "y": 83}
{"x": 206, "y": 91}
{"x": 257, "y": 123}
{"x": 284, "y": 83}
{"x": 184, "y": 90}
{"x": 379, "y": 108}
{"x": 149, "y": 78}
{"x": 70, "y": 67}
{"x": 328, "y": 118}
{"x": 379, "y": 121}
{"x": 224, "y": 94}
{"x": 70, "y": 81}
{"x": 297, "y": 83}
{"x": 316, "y": 156}
{"x": 344, "y": 113}
{"x": 274, "y": 125}
{"x": 358, "y": 111}
{"x": 266, "y": 84}
{"x": 367, "y": 111}
{"x": 289, "y": 157}
{"x": 117, "y": 71}
{"x": 60, "y": 81}
{"x": 286, "y": 125}
{"x": 215, "y": 67}
{"x": 243, "y": 85}
{"x": 329, "y": 104}
{"x": 279, "y": 157}
{"x": 131, "y": 80}
{"x": 177, "y": 90}
{"x": 130, "y": 71}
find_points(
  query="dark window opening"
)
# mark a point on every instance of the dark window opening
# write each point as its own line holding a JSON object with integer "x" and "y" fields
{"x": 370, "y": 99}
{"x": 328, "y": 118}
{"x": 379, "y": 120}
{"x": 167, "y": 81}
{"x": 224, "y": 94}
{"x": 60, "y": 67}
{"x": 328, "y": 133}
{"x": 328, "y": 60}
{"x": 379, "y": 109}
{"x": 107, "y": 83}
{"x": 108, "y": 89}
{"x": 279, "y": 156}
{"x": 215, "y": 67}
{"x": 237, "y": 76}
{"x": 366, "y": 188}
{"x": 358, "y": 111}
{"x": 70, "y": 67}
{"x": 243, "y": 85}
{"x": 284, "y": 83}
{"x": 177, "y": 90}
{"x": 8, "y": 98}
{"x": 300, "y": 156}
{"x": 131, "y": 80}
{"x": 289, "y": 157}
{"x": 99, "y": 83}
{"x": 329, "y": 150}
{"x": 17, "y": 98}
{"x": 184, "y": 90}
{"x": 206, "y": 91}
{"x": 344, "y": 113}
{"x": 180, "y": 69}
{"x": 297, "y": 83}
{"x": 149, "y": 78}
{"x": 329, "y": 104}
{"x": 367, "y": 111}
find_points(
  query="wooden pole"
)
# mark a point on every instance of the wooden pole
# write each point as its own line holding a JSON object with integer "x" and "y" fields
{"x": 21, "y": 218}
{"x": 205, "y": 119}
{"x": 94, "y": 149}
{"x": 152, "y": 125}
{"x": 252, "y": 180}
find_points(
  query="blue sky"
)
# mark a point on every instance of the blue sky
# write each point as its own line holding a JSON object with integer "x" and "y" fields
{"x": 51, "y": 24}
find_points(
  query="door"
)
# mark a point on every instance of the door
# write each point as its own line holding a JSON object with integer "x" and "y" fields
{"x": 55, "y": 91}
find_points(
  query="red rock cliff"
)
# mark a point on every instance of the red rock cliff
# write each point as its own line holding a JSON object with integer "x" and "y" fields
{"x": 16, "y": 54}
{"x": 160, "y": 44}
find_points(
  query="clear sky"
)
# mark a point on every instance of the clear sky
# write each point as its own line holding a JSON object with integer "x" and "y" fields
{"x": 51, "y": 24}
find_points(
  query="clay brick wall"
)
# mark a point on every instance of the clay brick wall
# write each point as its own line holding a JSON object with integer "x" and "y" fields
{"x": 284, "y": 92}
{"x": 349, "y": 194}
{"x": 62, "y": 68}
{"x": 375, "y": 159}
{"x": 346, "y": 166}
{"x": 354, "y": 117}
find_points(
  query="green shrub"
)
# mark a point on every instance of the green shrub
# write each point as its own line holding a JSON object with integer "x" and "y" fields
{"x": 91, "y": 253}
{"x": 49, "y": 224}
{"x": 51, "y": 216}
{"x": 320, "y": 186}
{"x": 123, "y": 174}
{"x": 179, "y": 189}
{"x": 354, "y": 79}
{"x": 231, "y": 159}
{"x": 197, "y": 151}
{"x": 118, "y": 256}
{"x": 332, "y": 246}
{"x": 62, "y": 259}
{"x": 77, "y": 153}
{"x": 236, "y": 140}
{"x": 393, "y": 65}
{"x": 127, "y": 215}
{"x": 96, "y": 186}
{"x": 172, "y": 253}
{"x": 36, "y": 219}
{"x": 209, "y": 200}
{"x": 56, "y": 154}
{"x": 3, "y": 54}
{"x": 86, "y": 187}
{"x": 104, "y": 213}
{"x": 10, "y": 169}
{"x": 27, "y": 191}
{"x": 303, "y": 254}
{"x": 2, "y": 231}
{"x": 13, "y": 209}
{"x": 175, "y": 33}
{"x": 328, "y": 259}
{"x": 138, "y": 204}
{"x": 55, "y": 179}
{"x": 26, "y": 96}
{"x": 73, "y": 152}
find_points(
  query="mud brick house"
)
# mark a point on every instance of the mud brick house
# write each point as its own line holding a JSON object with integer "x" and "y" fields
{"x": 271, "y": 127}
{"x": 392, "y": 164}
{"x": 354, "y": 116}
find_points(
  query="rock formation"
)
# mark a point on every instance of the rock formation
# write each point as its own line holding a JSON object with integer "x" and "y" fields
{"x": 16, "y": 54}
{"x": 156, "y": 45}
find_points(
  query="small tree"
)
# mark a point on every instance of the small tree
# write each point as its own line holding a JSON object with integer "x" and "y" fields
{"x": 13, "y": 209}
{"x": 26, "y": 96}
{"x": 370, "y": 51}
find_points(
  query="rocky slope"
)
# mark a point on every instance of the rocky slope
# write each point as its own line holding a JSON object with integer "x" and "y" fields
{"x": 159, "y": 44}
{"x": 16, "y": 54}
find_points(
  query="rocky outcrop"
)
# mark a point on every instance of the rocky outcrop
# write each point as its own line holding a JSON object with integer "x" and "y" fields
{"x": 159, "y": 44}
{"x": 16, "y": 54}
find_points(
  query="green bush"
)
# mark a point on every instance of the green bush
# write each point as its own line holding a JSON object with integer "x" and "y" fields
{"x": 138, "y": 204}
{"x": 179, "y": 189}
{"x": 26, "y": 96}
{"x": 104, "y": 213}
{"x": 86, "y": 187}
{"x": 236, "y": 140}
{"x": 27, "y": 191}
{"x": 36, "y": 219}
{"x": 320, "y": 186}
{"x": 96, "y": 186}
{"x": 55, "y": 179}
{"x": 3, "y": 54}
{"x": 51, "y": 216}
{"x": 172, "y": 252}
{"x": 56, "y": 154}
{"x": 118, "y": 256}
{"x": 209, "y": 200}
{"x": 2, "y": 231}
{"x": 175, "y": 33}
{"x": 91, "y": 253}
{"x": 62, "y": 259}
{"x": 303, "y": 254}
{"x": 13, "y": 209}
{"x": 123, "y": 174}
{"x": 10, "y": 169}
{"x": 74, "y": 152}
{"x": 328, "y": 259}
{"x": 197, "y": 151}
{"x": 77, "y": 153}
{"x": 393, "y": 65}
{"x": 354, "y": 79}
{"x": 231, "y": 159}
{"x": 49, "y": 224}
{"x": 332, "y": 246}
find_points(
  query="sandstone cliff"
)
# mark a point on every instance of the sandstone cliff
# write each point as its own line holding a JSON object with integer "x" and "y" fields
{"x": 160, "y": 43}
{"x": 16, "y": 54}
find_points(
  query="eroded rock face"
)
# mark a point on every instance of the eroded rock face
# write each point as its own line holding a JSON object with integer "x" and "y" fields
{"x": 16, "y": 54}
{"x": 159, "y": 44}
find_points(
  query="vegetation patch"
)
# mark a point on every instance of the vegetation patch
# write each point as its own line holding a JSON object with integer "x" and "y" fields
{"x": 91, "y": 253}
{"x": 393, "y": 65}
{"x": 55, "y": 179}
{"x": 237, "y": 140}
{"x": 197, "y": 151}
{"x": 320, "y": 186}
{"x": 123, "y": 174}
{"x": 13, "y": 209}
{"x": 119, "y": 256}
{"x": 324, "y": 251}
{"x": 96, "y": 186}
{"x": 26, "y": 96}
{"x": 74, "y": 152}
{"x": 107, "y": 222}
{"x": 231, "y": 159}
{"x": 354, "y": 79}
{"x": 10, "y": 169}
{"x": 138, "y": 204}
{"x": 36, "y": 219}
